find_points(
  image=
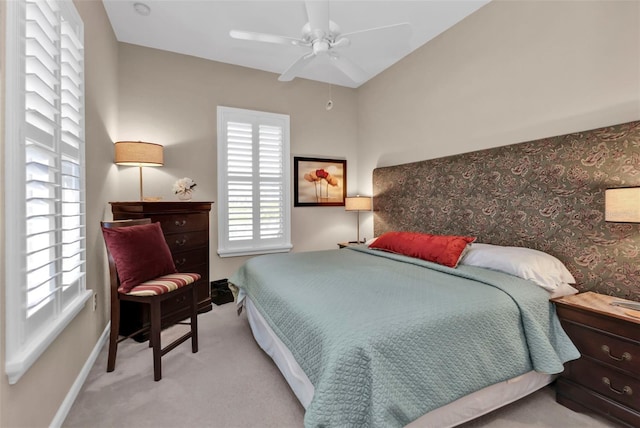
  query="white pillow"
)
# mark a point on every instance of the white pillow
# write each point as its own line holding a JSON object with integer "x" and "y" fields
{"x": 542, "y": 268}
{"x": 563, "y": 289}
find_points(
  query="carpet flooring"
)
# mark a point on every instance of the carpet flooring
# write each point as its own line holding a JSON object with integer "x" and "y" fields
{"x": 231, "y": 383}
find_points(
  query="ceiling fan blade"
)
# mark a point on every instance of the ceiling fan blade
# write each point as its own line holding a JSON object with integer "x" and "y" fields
{"x": 318, "y": 14}
{"x": 266, "y": 38}
{"x": 341, "y": 42}
{"x": 291, "y": 72}
{"x": 394, "y": 30}
{"x": 349, "y": 68}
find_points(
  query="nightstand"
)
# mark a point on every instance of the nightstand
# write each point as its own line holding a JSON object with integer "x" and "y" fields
{"x": 606, "y": 379}
{"x": 346, "y": 244}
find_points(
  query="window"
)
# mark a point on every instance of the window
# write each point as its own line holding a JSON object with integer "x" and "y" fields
{"x": 44, "y": 182}
{"x": 253, "y": 182}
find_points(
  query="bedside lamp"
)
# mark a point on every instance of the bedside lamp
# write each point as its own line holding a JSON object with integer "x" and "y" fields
{"x": 357, "y": 203}
{"x": 622, "y": 205}
{"x": 138, "y": 153}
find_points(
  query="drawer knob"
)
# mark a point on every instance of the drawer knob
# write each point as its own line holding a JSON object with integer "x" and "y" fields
{"x": 181, "y": 223}
{"x": 181, "y": 243}
{"x": 625, "y": 356}
{"x": 180, "y": 262}
{"x": 625, "y": 391}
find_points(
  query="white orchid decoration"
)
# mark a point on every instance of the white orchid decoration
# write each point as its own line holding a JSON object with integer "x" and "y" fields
{"x": 184, "y": 186}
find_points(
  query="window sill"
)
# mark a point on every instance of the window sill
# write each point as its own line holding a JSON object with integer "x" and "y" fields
{"x": 253, "y": 251}
{"x": 17, "y": 365}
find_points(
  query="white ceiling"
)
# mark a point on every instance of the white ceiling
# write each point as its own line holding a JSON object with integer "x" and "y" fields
{"x": 201, "y": 28}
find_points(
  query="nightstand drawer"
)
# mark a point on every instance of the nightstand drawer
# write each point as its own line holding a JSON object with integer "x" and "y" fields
{"x": 581, "y": 399}
{"x": 604, "y": 347}
{"x": 605, "y": 381}
{"x": 601, "y": 321}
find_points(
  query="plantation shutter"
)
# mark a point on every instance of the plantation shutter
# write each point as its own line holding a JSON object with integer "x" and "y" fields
{"x": 45, "y": 204}
{"x": 253, "y": 169}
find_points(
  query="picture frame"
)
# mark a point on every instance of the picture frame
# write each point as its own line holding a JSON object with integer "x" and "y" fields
{"x": 319, "y": 182}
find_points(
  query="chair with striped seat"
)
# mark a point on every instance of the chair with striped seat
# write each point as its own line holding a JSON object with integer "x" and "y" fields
{"x": 142, "y": 270}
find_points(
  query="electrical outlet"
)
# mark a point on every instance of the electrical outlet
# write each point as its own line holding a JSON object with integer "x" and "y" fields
{"x": 95, "y": 301}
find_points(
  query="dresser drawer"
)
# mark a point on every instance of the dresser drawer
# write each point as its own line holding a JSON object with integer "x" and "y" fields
{"x": 175, "y": 305}
{"x": 179, "y": 223}
{"x": 606, "y": 381}
{"x": 179, "y": 242}
{"x": 191, "y": 259}
{"x": 604, "y": 347}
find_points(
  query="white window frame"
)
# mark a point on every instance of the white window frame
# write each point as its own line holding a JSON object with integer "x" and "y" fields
{"x": 226, "y": 247}
{"x": 28, "y": 336}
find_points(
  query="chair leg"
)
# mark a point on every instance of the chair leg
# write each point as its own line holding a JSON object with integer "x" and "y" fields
{"x": 155, "y": 339}
{"x": 194, "y": 318}
{"x": 113, "y": 334}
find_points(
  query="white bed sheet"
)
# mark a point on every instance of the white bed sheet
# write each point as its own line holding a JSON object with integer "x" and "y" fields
{"x": 462, "y": 410}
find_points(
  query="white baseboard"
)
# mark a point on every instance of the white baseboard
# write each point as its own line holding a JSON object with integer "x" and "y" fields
{"x": 63, "y": 411}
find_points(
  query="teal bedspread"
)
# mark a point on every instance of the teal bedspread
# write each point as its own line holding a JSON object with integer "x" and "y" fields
{"x": 385, "y": 338}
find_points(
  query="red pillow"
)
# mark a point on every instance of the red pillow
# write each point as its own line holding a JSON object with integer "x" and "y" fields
{"x": 140, "y": 253}
{"x": 442, "y": 249}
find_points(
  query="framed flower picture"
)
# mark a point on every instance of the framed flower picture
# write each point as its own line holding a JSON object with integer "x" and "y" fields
{"x": 319, "y": 182}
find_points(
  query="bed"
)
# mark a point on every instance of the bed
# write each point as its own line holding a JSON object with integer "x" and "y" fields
{"x": 386, "y": 338}
{"x": 374, "y": 337}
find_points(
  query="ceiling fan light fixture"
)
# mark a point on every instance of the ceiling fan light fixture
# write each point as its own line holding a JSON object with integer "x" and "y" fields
{"x": 322, "y": 36}
{"x": 320, "y": 46}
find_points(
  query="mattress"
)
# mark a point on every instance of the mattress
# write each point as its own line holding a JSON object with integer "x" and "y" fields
{"x": 461, "y": 410}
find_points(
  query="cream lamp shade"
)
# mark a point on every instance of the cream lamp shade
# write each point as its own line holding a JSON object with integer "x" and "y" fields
{"x": 357, "y": 203}
{"x": 622, "y": 205}
{"x": 138, "y": 153}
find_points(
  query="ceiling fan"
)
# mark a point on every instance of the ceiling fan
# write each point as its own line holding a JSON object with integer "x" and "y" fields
{"x": 321, "y": 36}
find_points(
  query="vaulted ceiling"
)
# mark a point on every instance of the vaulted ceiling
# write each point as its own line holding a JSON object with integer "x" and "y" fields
{"x": 202, "y": 29}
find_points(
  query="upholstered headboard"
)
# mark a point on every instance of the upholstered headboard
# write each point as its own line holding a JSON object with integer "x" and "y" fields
{"x": 546, "y": 194}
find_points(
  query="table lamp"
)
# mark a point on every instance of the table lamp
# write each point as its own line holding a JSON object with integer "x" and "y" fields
{"x": 622, "y": 205}
{"x": 357, "y": 203}
{"x": 138, "y": 153}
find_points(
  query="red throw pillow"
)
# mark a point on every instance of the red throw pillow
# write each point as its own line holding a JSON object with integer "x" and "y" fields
{"x": 442, "y": 249}
{"x": 140, "y": 253}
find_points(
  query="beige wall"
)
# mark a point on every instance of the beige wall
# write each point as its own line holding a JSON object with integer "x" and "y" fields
{"x": 513, "y": 71}
{"x": 34, "y": 400}
{"x": 171, "y": 99}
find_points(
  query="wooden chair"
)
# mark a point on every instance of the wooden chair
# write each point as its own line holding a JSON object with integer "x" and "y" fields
{"x": 152, "y": 292}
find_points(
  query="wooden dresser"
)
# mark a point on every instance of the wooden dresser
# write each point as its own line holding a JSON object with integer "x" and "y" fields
{"x": 186, "y": 229}
{"x": 606, "y": 379}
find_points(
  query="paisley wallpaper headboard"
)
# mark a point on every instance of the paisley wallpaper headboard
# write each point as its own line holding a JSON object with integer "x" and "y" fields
{"x": 546, "y": 194}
